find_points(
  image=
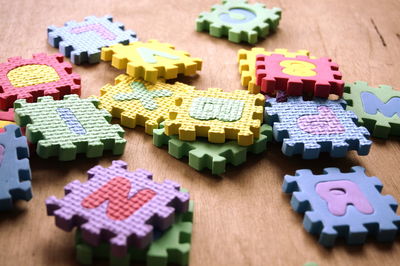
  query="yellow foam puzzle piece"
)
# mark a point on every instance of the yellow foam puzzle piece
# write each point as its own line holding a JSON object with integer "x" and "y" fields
{"x": 151, "y": 60}
{"x": 137, "y": 102}
{"x": 247, "y": 64}
{"x": 217, "y": 115}
{"x": 32, "y": 75}
{"x": 5, "y": 123}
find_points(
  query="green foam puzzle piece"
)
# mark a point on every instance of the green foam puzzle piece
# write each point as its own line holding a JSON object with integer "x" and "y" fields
{"x": 173, "y": 246}
{"x": 203, "y": 154}
{"x": 239, "y": 21}
{"x": 378, "y": 109}
{"x": 68, "y": 127}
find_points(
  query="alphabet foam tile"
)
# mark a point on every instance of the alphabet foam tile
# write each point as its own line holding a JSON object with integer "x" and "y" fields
{"x": 247, "y": 64}
{"x": 6, "y": 118}
{"x": 30, "y": 78}
{"x": 239, "y": 21}
{"x": 151, "y": 60}
{"x": 343, "y": 205}
{"x": 15, "y": 173}
{"x": 82, "y": 41}
{"x": 171, "y": 246}
{"x": 68, "y": 127}
{"x": 298, "y": 75}
{"x": 135, "y": 204}
{"x": 378, "y": 109}
{"x": 208, "y": 155}
{"x": 311, "y": 127}
{"x": 137, "y": 102}
{"x": 217, "y": 115}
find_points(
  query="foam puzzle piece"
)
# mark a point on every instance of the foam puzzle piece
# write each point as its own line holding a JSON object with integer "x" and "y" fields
{"x": 217, "y": 115}
{"x": 311, "y": 127}
{"x": 135, "y": 204}
{"x": 378, "y": 109}
{"x": 151, "y": 60}
{"x": 6, "y": 118}
{"x": 247, "y": 64}
{"x": 42, "y": 75}
{"x": 15, "y": 173}
{"x": 340, "y": 204}
{"x": 298, "y": 75}
{"x": 171, "y": 246}
{"x": 68, "y": 127}
{"x": 82, "y": 41}
{"x": 203, "y": 154}
{"x": 239, "y": 21}
{"x": 138, "y": 102}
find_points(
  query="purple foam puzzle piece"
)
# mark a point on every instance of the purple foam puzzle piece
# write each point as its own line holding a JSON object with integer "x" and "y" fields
{"x": 134, "y": 229}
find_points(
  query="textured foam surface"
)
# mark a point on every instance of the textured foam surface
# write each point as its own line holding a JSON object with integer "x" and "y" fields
{"x": 40, "y": 76}
{"x": 15, "y": 173}
{"x": 85, "y": 205}
{"x": 151, "y": 60}
{"x": 138, "y": 102}
{"x": 311, "y": 127}
{"x": 216, "y": 115}
{"x": 298, "y": 75}
{"x": 203, "y": 154}
{"x": 70, "y": 126}
{"x": 247, "y": 64}
{"x": 239, "y": 21}
{"x": 343, "y": 205}
{"x": 378, "y": 109}
{"x": 82, "y": 41}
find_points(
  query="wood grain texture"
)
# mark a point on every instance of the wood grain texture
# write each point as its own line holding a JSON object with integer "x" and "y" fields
{"x": 241, "y": 217}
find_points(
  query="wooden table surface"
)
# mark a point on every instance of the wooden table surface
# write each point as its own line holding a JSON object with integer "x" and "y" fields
{"x": 241, "y": 217}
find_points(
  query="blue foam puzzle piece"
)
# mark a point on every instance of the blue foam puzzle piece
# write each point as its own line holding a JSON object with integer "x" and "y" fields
{"x": 15, "y": 173}
{"x": 354, "y": 225}
{"x": 82, "y": 41}
{"x": 337, "y": 133}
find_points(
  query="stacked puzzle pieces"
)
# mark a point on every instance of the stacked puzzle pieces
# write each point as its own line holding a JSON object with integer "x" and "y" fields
{"x": 293, "y": 98}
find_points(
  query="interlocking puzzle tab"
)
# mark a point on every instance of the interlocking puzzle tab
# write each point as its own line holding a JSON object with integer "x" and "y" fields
{"x": 203, "y": 154}
{"x": 247, "y": 64}
{"x": 6, "y": 118}
{"x": 298, "y": 75}
{"x": 378, "y": 109}
{"x": 68, "y": 127}
{"x": 311, "y": 127}
{"x": 137, "y": 102}
{"x": 82, "y": 41}
{"x": 343, "y": 205}
{"x": 171, "y": 246}
{"x": 239, "y": 21}
{"x": 30, "y": 78}
{"x": 151, "y": 60}
{"x": 15, "y": 173}
{"x": 135, "y": 204}
{"x": 216, "y": 115}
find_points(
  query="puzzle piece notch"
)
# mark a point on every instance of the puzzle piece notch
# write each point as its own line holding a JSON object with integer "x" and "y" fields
{"x": 188, "y": 127}
{"x": 211, "y": 156}
{"x": 135, "y": 230}
{"x": 377, "y": 108}
{"x": 172, "y": 246}
{"x": 247, "y": 64}
{"x": 132, "y": 112}
{"x": 298, "y": 75}
{"x": 239, "y": 21}
{"x": 15, "y": 173}
{"x": 82, "y": 41}
{"x": 31, "y": 86}
{"x": 151, "y": 60}
{"x": 68, "y": 127}
{"x": 355, "y": 224}
{"x": 323, "y": 135}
